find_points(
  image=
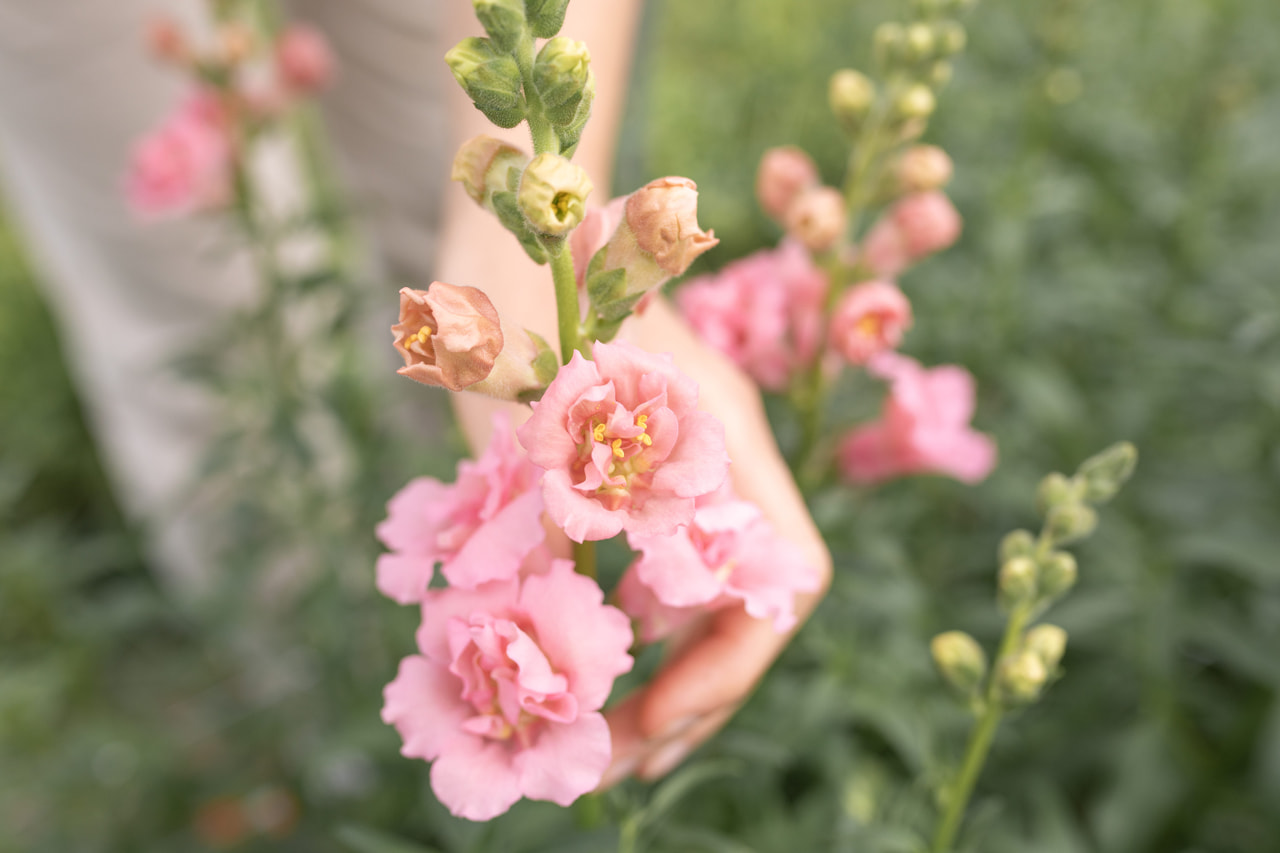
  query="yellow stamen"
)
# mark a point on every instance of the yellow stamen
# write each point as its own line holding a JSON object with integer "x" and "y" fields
{"x": 617, "y": 448}
{"x": 419, "y": 337}
{"x": 869, "y": 326}
{"x": 645, "y": 440}
{"x": 642, "y": 421}
{"x": 598, "y": 432}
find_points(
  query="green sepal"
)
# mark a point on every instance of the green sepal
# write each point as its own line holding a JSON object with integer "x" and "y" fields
{"x": 490, "y": 78}
{"x": 503, "y": 20}
{"x": 546, "y": 363}
{"x": 508, "y": 212}
{"x": 545, "y": 17}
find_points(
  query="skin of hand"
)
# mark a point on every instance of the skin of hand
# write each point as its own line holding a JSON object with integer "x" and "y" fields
{"x": 714, "y": 666}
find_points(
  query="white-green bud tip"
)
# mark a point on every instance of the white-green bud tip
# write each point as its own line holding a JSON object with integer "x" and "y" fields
{"x": 1058, "y": 573}
{"x": 1069, "y": 522}
{"x": 1057, "y": 489}
{"x": 1047, "y": 642}
{"x": 1017, "y": 582}
{"x": 1021, "y": 677}
{"x": 1104, "y": 474}
{"x": 960, "y": 660}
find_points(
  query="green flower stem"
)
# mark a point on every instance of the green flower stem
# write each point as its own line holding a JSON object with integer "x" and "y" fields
{"x": 544, "y": 136}
{"x": 584, "y": 559}
{"x": 980, "y": 738}
{"x": 568, "y": 313}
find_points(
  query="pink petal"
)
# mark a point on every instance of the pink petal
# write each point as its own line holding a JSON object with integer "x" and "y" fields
{"x": 424, "y": 704}
{"x": 674, "y": 569}
{"x": 441, "y": 606}
{"x": 582, "y": 518}
{"x": 545, "y": 435}
{"x": 566, "y": 761}
{"x": 404, "y": 578}
{"x": 497, "y": 549}
{"x": 477, "y": 783}
{"x": 699, "y": 462}
{"x": 410, "y": 513}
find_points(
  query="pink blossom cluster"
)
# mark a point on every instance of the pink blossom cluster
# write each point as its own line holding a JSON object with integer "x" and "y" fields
{"x": 517, "y": 654}
{"x": 186, "y": 163}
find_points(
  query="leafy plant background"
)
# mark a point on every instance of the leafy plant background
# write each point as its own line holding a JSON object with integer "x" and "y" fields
{"x": 1117, "y": 279}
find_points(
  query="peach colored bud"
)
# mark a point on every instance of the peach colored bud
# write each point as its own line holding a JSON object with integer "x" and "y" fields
{"x": 450, "y": 336}
{"x": 235, "y": 42}
{"x": 166, "y": 42}
{"x": 924, "y": 167}
{"x": 663, "y": 216}
{"x": 473, "y": 166}
{"x": 817, "y": 218}
{"x": 784, "y": 174}
{"x": 305, "y": 61}
{"x": 927, "y": 222}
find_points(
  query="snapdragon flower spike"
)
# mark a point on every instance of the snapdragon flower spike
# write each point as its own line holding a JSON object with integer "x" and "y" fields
{"x": 480, "y": 528}
{"x": 623, "y": 445}
{"x": 728, "y": 554}
{"x": 765, "y": 312}
{"x": 785, "y": 173}
{"x": 916, "y": 226}
{"x": 871, "y": 318}
{"x": 505, "y": 693}
{"x": 923, "y": 429}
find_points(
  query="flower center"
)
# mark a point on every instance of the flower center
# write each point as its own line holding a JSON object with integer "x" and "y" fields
{"x": 869, "y": 326}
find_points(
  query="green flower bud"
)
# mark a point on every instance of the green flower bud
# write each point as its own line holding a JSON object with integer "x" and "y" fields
{"x": 1069, "y": 522}
{"x": 919, "y": 42}
{"x": 889, "y": 43}
{"x": 570, "y": 134}
{"x": 1019, "y": 543}
{"x": 545, "y": 17}
{"x": 1017, "y": 581}
{"x": 490, "y": 78}
{"x": 1104, "y": 474}
{"x": 960, "y": 660}
{"x": 917, "y": 101}
{"x": 553, "y": 194}
{"x": 940, "y": 74}
{"x": 951, "y": 37}
{"x": 1058, "y": 573}
{"x": 1047, "y": 642}
{"x": 560, "y": 75}
{"x": 1056, "y": 489}
{"x": 850, "y": 94}
{"x": 1021, "y": 678}
{"x": 503, "y": 20}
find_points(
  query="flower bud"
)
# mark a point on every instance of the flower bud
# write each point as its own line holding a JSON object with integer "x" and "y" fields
{"x": 490, "y": 78}
{"x": 940, "y": 73}
{"x": 1056, "y": 489}
{"x": 888, "y": 43}
{"x": 484, "y": 165}
{"x": 1105, "y": 473}
{"x": 545, "y": 17}
{"x": 1021, "y": 678}
{"x": 1017, "y": 581}
{"x": 166, "y": 42}
{"x": 817, "y": 218}
{"x": 1047, "y": 642}
{"x": 922, "y": 168}
{"x": 235, "y": 43}
{"x": 503, "y": 20}
{"x": 1058, "y": 574}
{"x": 663, "y": 216}
{"x": 850, "y": 94}
{"x": 917, "y": 101}
{"x": 784, "y": 174}
{"x": 951, "y": 37}
{"x": 553, "y": 194}
{"x": 960, "y": 660}
{"x": 1069, "y": 522}
{"x": 1019, "y": 543}
{"x": 304, "y": 59}
{"x": 560, "y": 75}
{"x": 569, "y": 134}
{"x": 919, "y": 42}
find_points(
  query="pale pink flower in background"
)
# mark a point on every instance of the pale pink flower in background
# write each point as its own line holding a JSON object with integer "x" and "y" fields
{"x": 764, "y": 312}
{"x": 784, "y": 173}
{"x": 304, "y": 59}
{"x": 817, "y": 218}
{"x": 506, "y": 692}
{"x": 915, "y": 227}
{"x": 729, "y": 553}
{"x": 184, "y": 165}
{"x": 480, "y": 528}
{"x": 623, "y": 444}
{"x": 653, "y": 620}
{"x": 871, "y": 318}
{"x": 924, "y": 167}
{"x": 923, "y": 427}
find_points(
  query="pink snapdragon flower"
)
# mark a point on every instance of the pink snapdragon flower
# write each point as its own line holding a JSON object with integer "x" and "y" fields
{"x": 479, "y": 528}
{"x": 623, "y": 445}
{"x": 184, "y": 165}
{"x": 304, "y": 59}
{"x": 916, "y": 226}
{"x": 506, "y": 692}
{"x": 764, "y": 312}
{"x": 870, "y": 318}
{"x": 923, "y": 429}
{"x": 784, "y": 174}
{"x": 729, "y": 553}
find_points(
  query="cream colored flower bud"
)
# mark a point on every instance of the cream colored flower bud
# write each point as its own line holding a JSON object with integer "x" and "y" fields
{"x": 951, "y": 37}
{"x": 560, "y": 75}
{"x": 482, "y": 165}
{"x": 1017, "y": 580}
{"x": 1058, "y": 573}
{"x": 889, "y": 42}
{"x": 1021, "y": 677}
{"x": 1056, "y": 489}
{"x": 917, "y": 101}
{"x": 1019, "y": 543}
{"x": 1047, "y": 642}
{"x": 922, "y": 168}
{"x": 1069, "y": 522}
{"x": 940, "y": 73}
{"x": 960, "y": 659}
{"x": 919, "y": 41}
{"x": 850, "y": 94}
{"x": 553, "y": 194}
